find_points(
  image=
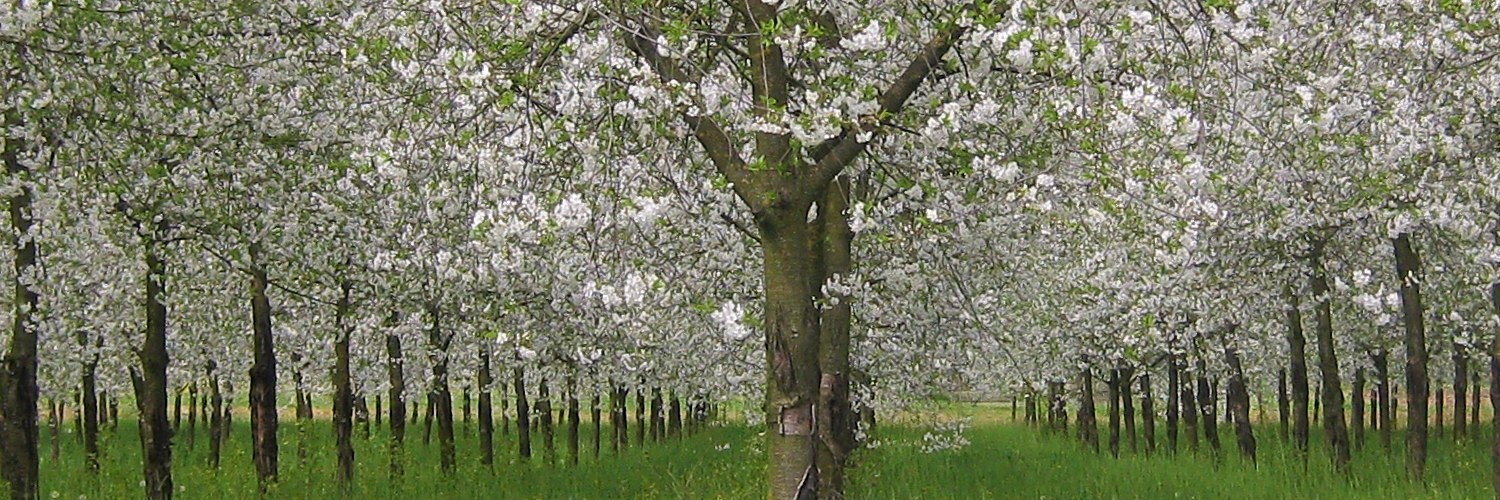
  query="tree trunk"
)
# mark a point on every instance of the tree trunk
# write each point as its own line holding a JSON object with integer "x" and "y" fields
{"x": 596, "y": 416}
{"x": 177, "y": 411}
{"x": 263, "y": 418}
{"x": 1206, "y": 404}
{"x": 379, "y": 410}
{"x": 1148, "y": 412}
{"x": 427, "y": 419}
{"x": 192, "y": 429}
{"x": 640, "y": 416}
{"x": 523, "y": 414}
{"x": 343, "y": 393}
{"x": 1383, "y": 388}
{"x": 1173, "y": 387}
{"x": 657, "y": 428}
{"x": 573, "y": 422}
{"x": 1283, "y": 406}
{"x": 834, "y": 424}
{"x": 1474, "y": 389}
{"x": 1331, "y": 391}
{"x": 1239, "y": 404}
{"x": 394, "y": 370}
{"x": 19, "y": 392}
{"x": 616, "y": 418}
{"x": 1114, "y": 412}
{"x": 54, "y": 427}
{"x": 1495, "y": 392}
{"x": 1460, "y": 393}
{"x": 150, "y": 383}
{"x": 486, "y": 416}
{"x": 1357, "y": 418}
{"x": 438, "y": 343}
{"x": 90, "y": 402}
{"x": 1409, "y": 271}
{"x": 1088, "y": 425}
{"x": 1297, "y": 347}
{"x": 1189, "y": 406}
{"x": 674, "y": 417}
{"x": 1127, "y": 404}
{"x": 544, "y": 420}
{"x": 1438, "y": 415}
{"x": 214, "y": 418}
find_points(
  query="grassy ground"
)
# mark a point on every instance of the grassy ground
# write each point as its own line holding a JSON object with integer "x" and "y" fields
{"x": 1003, "y": 460}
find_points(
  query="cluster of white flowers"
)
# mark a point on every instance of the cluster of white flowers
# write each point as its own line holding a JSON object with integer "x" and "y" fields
{"x": 946, "y": 436}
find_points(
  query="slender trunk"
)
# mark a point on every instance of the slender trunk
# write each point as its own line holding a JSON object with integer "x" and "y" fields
{"x": 1239, "y": 404}
{"x": 90, "y": 402}
{"x": 504, "y": 395}
{"x": 1474, "y": 390}
{"x": 1283, "y": 406}
{"x": 573, "y": 422}
{"x": 1409, "y": 271}
{"x": 150, "y": 382}
{"x": 1383, "y": 388}
{"x": 468, "y": 409}
{"x": 1438, "y": 415}
{"x": 397, "y": 375}
{"x": 1148, "y": 412}
{"x": 1460, "y": 393}
{"x": 1114, "y": 411}
{"x": 544, "y": 420}
{"x": 1297, "y": 346}
{"x": 437, "y": 342}
{"x": 215, "y": 418}
{"x": 263, "y": 418}
{"x": 640, "y": 417}
{"x": 1088, "y": 425}
{"x": 1357, "y": 404}
{"x": 379, "y": 410}
{"x": 674, "y": 417}
{"x": 1331, "y": 391}
{"x": 596, "y": 416}
{"x": 177, "y": 411}
{"x": 343, "y": 393}
{"x": 1172, "y": 404}
{"x": 21, "y": 463}
{"x": 1189, "y": 406}
{"x": 362, "y": 415}
{"x": 523, "y": 414}
{"x": 616, "y": 418}
{"x": 54, "y": 427}
{"x": 192, "y": 428}
{"x": 486, "y": 417}
{"x": 1127, "y": 403}
{"x": 1495, "y": 392}
{"x": 1206, "y": 404}
{"x": 657, "y": 429}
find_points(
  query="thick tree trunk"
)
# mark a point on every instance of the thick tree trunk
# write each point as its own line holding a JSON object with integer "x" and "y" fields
{"x": 523, "y": 414}
{"x": 1383, "y": 389}
{"x": 437, "y": 343}
{"x": 1207, "y": 405}
{"x": 1173, "y": 387}
{"x": 1283, "y": 406}
{"x": 486, "y": 415}
{"x": 834, "y": 415}
{"x": 1409, "y": 270}
{"x": 1114, "y": 411}
{"x": 1357, "y": 418}
{"x": 394, "y": 370}
{"x": 1088, "y": 425}
{"x": 1460, "y": 393}
{"x": 1239, "y": 404}
{"x": 90, "y": 402}
{"x": 1331, "y": 392}
{"x": 20, "y": 465}
{"x": 1148, "y": 412}
{"x": 1297, "y": 347}
{"x": 263, "y": 418}
{"x": 1495, "y": 393}
{"x": 150, "y": 383}
{"x": 343, "y": 393}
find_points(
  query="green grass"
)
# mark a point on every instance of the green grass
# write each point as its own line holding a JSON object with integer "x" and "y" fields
{"x": 1004, "y": 460}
